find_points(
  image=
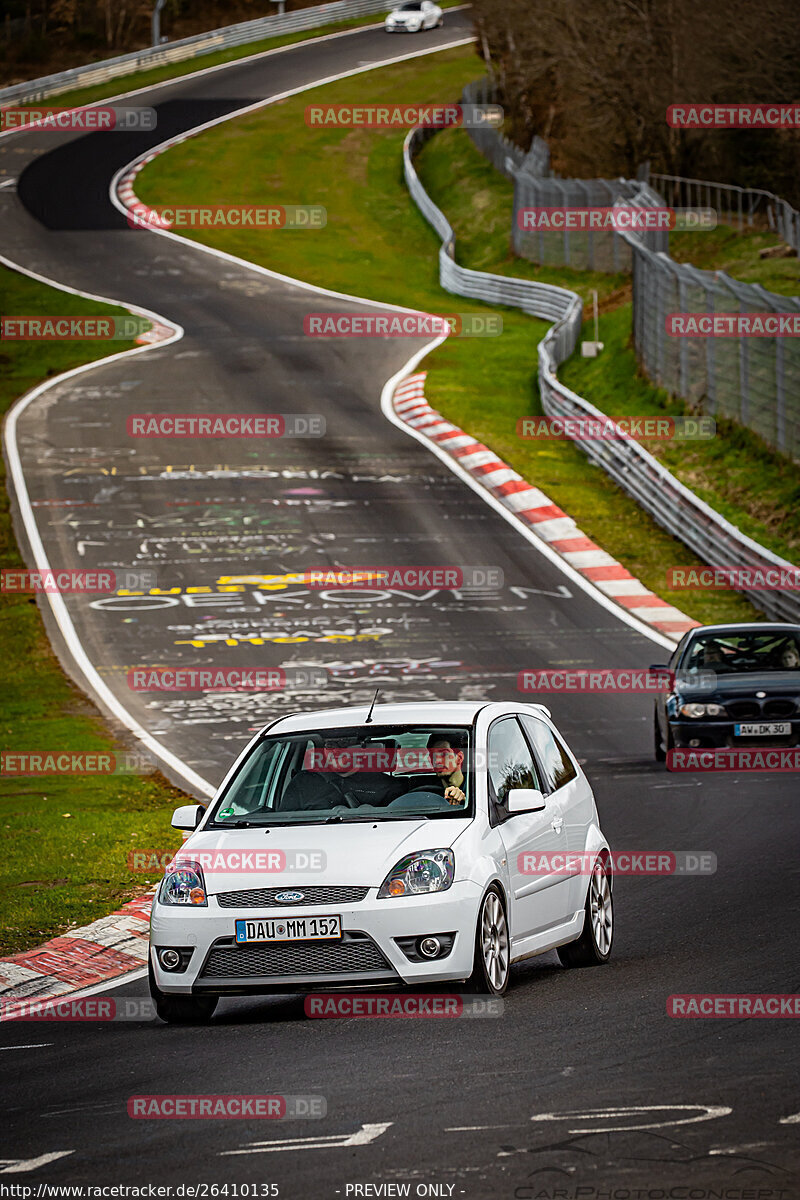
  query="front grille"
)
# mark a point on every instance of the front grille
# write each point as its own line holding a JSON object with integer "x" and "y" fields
{"x": 265, "y": 897}
{"x": 356, "y": 953}
{"x": 744, "y": 710}
{"x": 777, "y": 709}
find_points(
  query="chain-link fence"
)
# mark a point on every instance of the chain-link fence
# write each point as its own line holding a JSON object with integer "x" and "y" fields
{"x": 665, "y": 498}
{"x": 752, "y": 380}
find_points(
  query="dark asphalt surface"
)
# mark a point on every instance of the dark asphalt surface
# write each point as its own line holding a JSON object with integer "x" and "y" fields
{"x": 459, "y": 1098}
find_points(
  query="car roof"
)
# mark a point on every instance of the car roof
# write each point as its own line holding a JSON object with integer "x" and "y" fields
{"x": 426, "y": 712}
{"x": 431, "y": 712}
{"x": 749, "y": 627}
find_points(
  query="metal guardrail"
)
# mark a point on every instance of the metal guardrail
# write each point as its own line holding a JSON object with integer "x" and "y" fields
{"x": 637, "y": 472}
{"x": 191, "y": 47}
{"x": 754, "y": 381}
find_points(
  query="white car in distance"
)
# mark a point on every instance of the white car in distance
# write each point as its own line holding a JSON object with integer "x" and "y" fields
{"x": 414, "y": 16}
{"x": 411, "y": 844}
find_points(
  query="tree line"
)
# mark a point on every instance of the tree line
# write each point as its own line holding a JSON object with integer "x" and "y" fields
{"x": 595, "y": 77}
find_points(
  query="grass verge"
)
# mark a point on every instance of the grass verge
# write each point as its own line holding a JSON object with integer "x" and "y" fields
{"x": 377, "y": 245}
{"x": 720, "y": 471}
{"x": 66, "y": 838}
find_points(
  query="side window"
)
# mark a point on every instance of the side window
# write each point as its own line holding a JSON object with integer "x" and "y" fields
{"x": 511, "y": 764}
{"x": 550, "y": 754}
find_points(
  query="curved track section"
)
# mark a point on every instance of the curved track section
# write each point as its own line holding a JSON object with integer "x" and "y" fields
{"x": 585, "y": 1080}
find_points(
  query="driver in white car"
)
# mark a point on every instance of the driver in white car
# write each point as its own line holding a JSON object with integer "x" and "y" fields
{"x": 447, "y": 756}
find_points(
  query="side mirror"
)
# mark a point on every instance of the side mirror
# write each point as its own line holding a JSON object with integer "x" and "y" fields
{"x": 188, "y": 816}
{"x": 524, "y": 800}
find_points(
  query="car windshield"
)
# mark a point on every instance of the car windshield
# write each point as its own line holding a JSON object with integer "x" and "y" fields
{"x": 743, "y": 653}
{"x": 410, "y": 8}
{"x": 386, "y": 773}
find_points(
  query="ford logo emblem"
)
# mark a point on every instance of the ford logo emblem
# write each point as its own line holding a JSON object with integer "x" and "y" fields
{"x": 289, "y": 897}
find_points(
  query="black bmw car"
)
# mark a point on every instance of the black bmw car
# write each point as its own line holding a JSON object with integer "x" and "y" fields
{"x": 731, "y": 685}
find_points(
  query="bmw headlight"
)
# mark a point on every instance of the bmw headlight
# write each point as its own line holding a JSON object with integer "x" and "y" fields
{"x": 420, "y": 874}
{"x": 703, "y": 710}
{"x": 184, "y": 885}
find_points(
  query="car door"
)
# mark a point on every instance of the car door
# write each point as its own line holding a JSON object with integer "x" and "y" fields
{"x": 538, "y": 895}
{"x": 565, "y": 785}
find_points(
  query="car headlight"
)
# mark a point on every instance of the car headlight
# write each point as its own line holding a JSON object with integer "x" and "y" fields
{"x": 184, "y": 885}
{"x": 703, "y": 710}
{"x": 420, "y": 874}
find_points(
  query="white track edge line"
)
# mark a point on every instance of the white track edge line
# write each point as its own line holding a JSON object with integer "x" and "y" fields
{"x": 97, "y": 686}
{"x": 494, "y": 502}
{"x": 234, "y": 62}
{"x": 60, "y": 612}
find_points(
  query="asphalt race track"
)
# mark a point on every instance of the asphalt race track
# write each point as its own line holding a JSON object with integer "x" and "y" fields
{"x": 635, "y": 1099}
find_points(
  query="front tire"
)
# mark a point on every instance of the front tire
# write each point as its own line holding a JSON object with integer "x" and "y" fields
{"x": 659, "y": 753}
{"x": 180, "y": 1010}
{"x": 491, "y": 964}
{"x": 593, "y": 947}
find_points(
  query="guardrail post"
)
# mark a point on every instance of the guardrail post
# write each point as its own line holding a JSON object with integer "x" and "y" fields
{"x": 155, "y": 23}
{"x": 780, "y": 396}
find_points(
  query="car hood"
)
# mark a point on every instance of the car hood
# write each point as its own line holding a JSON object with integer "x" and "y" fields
{"x": 357, "y": 854}
{"x": 774, "y": 683}
{"x": 404, "y": 16}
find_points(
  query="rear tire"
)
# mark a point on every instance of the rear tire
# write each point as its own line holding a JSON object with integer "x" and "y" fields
{"x": 593, "y": 947}
{"x": 491, "y": 965}
{"x": 180, "y": 1010}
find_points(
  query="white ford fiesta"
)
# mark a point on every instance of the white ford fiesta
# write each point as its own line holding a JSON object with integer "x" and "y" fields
{"x": 404, "y": 844}
{"x": 413, "y": 17}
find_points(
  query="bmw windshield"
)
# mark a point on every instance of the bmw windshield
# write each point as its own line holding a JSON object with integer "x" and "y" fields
{"x": 389, "y": 773}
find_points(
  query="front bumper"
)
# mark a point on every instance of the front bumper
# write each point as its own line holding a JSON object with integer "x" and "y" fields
{"x": 368, "y": 954}
{"x": 705, "y": 734}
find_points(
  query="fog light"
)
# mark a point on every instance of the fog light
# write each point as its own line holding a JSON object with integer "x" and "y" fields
{"x": 430, "y": 947}
{"x": 169, "y": 959}
{"x": 694, "y": 741}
